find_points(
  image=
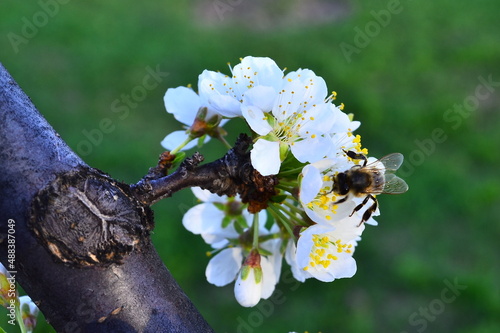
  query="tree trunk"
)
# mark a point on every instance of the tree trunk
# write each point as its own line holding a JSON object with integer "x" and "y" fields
{"x": 82, "y": 246}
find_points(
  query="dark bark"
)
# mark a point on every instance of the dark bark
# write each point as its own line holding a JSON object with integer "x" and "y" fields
{"x": 233, "y": 174}
{"x": 91, "y": 272}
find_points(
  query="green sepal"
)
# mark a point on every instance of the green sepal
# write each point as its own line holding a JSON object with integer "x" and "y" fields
{"x": 239, "y": 229}
{"x": 245, "y": 271}
{"x": 219, "y": 205}
{"x": 279, "y": 198}
{"x": 241, "y": 221}
{"x": 258, "y": 275}
{"x": 264, "y": 252}
{"x": 226, "y": 221}
{"x": 284, "y": 149}
{"x": 214, "y": 121}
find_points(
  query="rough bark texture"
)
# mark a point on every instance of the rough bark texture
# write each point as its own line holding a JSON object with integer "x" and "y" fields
{"x": 94, "y": 271}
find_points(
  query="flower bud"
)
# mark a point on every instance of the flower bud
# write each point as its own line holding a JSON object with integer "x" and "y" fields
{"x": 29, "y": 312}
{"x": 248, "y": 286}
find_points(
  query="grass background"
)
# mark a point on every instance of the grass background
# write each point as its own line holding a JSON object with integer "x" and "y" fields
{"x": 400, "y": 83}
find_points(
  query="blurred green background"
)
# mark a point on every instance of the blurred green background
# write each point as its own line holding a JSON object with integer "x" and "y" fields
{"x": 404, "y": 68}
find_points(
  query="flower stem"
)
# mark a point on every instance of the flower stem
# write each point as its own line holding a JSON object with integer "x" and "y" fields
{"x": 224, "y": 141}
{"x": 292, "y": 172}
{"x": 255, "y": 226}
{"x": 182, "y": 145}
{"x": 292, "y": 207}
{"x": 280, "y": 218}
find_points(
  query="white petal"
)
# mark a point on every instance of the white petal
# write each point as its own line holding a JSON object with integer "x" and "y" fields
{"x": 226, "y": 106}
{"x": 256, "y": 119}
{"x": 271, "y": 267}
{"x": 310, "y": 184}
{"x": 346, "y": 267}
{"x": 216, "y": 92}
{"x": 289, "y": 100}
{"x": 311, "y": 150}
{"x": 265, "y": 157}
{"x": 262, "y": 97}
{"x": 224, "y": 266}
{"x": 342, "y": 123}
{"x": 174, "y": 140}
{"x": 255, "y": 71}
{"x": 319, "y": 120}
{"x": 203, "y": 218}
{"x": 269, "y": 278}
{"x": 183, "y": 103}
{"x": 247, "y": 292}
{"x": 291, "y": 259}
{"x": 316, "y": 85}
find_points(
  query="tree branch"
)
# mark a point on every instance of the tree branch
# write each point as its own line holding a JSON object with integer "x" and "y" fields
{"x": 87, "y": 267}
{"x": 232, "y": 174}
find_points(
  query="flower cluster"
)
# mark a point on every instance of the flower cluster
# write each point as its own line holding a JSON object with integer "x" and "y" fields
{"x": 305, "y": 140}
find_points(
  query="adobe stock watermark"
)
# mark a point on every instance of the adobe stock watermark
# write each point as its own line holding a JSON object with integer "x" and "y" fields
{"x": 363, "y": 36}
{"x": 32, "y": 25}
{"x": 454, "y": 116}
{"x": 121, "y": 107}
{"x": 223, "y": 6}
{"x": 266, "y": 307}
{"x": 420, "y": 319}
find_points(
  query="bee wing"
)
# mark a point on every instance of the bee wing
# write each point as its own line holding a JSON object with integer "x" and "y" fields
{"x": 392, "y": 162}
{"x": 394, "y": 184}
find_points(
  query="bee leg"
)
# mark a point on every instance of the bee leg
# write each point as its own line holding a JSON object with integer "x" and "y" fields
{"x": 368, "y": 213}
{"x": 358, "y": 207}
{"x": 341, "y": 200}
{"x": 356, "y": 156}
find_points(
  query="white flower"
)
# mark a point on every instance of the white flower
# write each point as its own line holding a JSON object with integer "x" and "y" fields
{"x": 259, "y": 275}
{"x": 300, "y": 120}
{"x": 325, "y": 252}
{"x": 248, "y": 286}
{"x": 220, "y": 221}
{"x": 29, "y": 312}
{"x": 214, "y": 218}
{"x": 193, "y": 111}
{"x": 255, "y": 79}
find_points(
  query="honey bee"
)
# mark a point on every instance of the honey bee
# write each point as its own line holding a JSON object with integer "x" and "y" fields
{"x": 369, "y": 180}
